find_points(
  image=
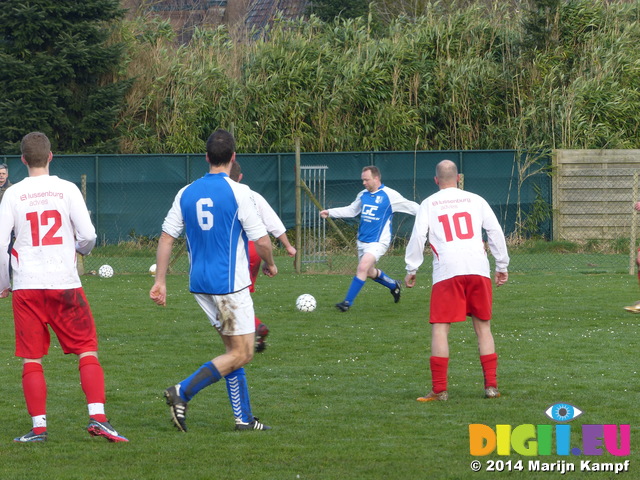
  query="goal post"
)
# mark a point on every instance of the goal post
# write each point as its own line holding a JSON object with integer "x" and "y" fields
{"x": 312, "y": 231}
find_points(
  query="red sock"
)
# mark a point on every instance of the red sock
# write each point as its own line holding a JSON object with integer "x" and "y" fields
{"x": 92, "y": 381}
{"x": 439, "y": 367}
{"x": 257, "y": 322}
{"x": 35, "y": 391}
{"x": 489, "y": 368}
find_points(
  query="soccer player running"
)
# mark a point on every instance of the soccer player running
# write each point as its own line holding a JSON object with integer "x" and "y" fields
{"x": 276, "y": 228}
{"x": 376, "y": 205}
{"x": 51, "y": 224}
{"x": 219, "y": 217}
{"x": 453, "y": 220}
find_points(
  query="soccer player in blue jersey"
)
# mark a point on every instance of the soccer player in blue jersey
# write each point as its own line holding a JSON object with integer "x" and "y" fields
{"x": 376, "y": 205}
{"x": 219, "y": 218}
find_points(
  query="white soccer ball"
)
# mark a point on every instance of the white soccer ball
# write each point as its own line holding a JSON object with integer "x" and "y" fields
{"x": 105, "y": 271}
{"x": 306, "y": 303}
{"x": 152, "y": 270}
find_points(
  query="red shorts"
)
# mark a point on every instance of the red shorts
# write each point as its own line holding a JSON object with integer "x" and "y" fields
{"x": 68, "y": 314}
{"x": 454, "y": 299}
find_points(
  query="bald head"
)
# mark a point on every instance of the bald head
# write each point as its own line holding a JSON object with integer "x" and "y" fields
{"x": 446, "y": 174}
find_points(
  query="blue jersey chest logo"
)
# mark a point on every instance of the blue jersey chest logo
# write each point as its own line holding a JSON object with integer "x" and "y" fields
{"x": 369, "y": 210}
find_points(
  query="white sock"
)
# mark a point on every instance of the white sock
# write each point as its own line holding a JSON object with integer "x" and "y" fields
{"x": 96, "y": 409}
{"x": 39, "y": 421}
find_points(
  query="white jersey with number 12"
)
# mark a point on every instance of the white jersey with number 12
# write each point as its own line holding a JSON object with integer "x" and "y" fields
{"x": 51, "y": 222}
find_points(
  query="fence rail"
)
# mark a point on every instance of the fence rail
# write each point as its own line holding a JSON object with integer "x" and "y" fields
{"x": 581, "y": 201}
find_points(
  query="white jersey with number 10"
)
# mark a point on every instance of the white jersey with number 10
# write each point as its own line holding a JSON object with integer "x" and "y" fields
{"x": 452, "y": 220}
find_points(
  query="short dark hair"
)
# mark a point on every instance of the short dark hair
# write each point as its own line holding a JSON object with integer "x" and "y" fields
{"x": 220, "y": 147}
{"x": 35, "y": 148}
{"x": 236, "y": 171}
{"x": 375, "y": 171}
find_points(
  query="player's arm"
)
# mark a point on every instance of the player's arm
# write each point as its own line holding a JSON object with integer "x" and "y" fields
{"x": 6, "y": 226}
{"x": 171, "y": 229}
{"x": 158, "y": 292}
{"x": 255, "y": 229}
{"x": 84, "y": 231}
{"x": 414, "y": 253}
{"x": 401, "y": 204}
{"x": 501, "y": 278}
{"x": 349, "y": 211}
{"x": 291, "y": 250}
{"x": 273, "y": 223}
{"x": 497, "y": 244}
{"x": 265, "y": 250}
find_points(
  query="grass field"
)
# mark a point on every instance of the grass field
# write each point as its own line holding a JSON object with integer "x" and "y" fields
{"x": 338, "y": 389}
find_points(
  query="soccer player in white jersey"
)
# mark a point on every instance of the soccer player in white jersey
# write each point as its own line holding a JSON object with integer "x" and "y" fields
{"x": 276, "y": 228}
{"x": 51, "y": 224}
{"x": 452, "y": 220}
{"x": 376, "y": 205}
{"x": 219, "y": 217}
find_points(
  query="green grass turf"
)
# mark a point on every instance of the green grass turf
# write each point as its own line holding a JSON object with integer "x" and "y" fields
{"x": 338, "y": 389}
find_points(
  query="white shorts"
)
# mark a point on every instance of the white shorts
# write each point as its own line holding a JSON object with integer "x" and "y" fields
{"x": 231, "y": 314}
{"x": 376, "y": 249}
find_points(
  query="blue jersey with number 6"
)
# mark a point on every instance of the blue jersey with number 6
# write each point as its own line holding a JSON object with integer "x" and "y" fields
{"x": 217, "y": 215}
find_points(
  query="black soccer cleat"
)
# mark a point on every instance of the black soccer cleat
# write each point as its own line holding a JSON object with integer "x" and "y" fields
{"x": 396, "y": 292}
{"x": 254, "y": 425}
{"x": 178, "y": 407}
{"x": 343, "y": 306}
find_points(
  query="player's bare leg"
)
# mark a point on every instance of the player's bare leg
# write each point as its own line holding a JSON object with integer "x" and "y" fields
{"x": 229, "y": 365}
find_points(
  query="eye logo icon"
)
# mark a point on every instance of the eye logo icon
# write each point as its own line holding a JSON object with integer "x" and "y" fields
{"x": 563, "y": 412}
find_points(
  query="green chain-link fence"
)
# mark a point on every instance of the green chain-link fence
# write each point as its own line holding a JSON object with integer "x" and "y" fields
{"x": 129, "y": 195}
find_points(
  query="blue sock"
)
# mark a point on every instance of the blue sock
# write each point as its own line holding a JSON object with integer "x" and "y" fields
{"x": 238, "y": 391}
{"x": 385, "y": 280}
{"x": 201, "y": 378}
{"x": 354, "y": 290}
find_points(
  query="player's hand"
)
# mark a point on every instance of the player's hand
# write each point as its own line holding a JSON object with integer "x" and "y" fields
{"x": 5, "y": 293}
{"x": 501, "y": 278}
{"x": 637, "y": 206}
{"x": 291, "y": 251}
{"x": 158, "y": 294}
{"x": 410, "y": 280}
{"x": 325, "y": 213}
{"x": 269, "y": 270}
